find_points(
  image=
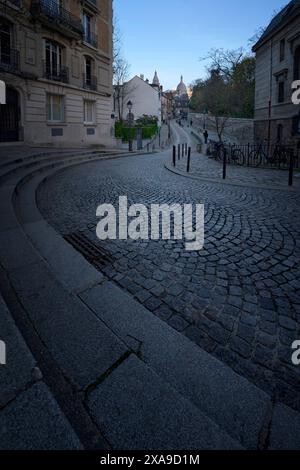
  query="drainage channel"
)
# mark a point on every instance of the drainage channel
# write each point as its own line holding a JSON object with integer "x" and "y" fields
{"x": 92, "y": 252}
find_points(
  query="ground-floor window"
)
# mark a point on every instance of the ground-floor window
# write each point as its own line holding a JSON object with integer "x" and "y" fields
{"x": 89, "y": 112}
{"x": 55, "y": 108}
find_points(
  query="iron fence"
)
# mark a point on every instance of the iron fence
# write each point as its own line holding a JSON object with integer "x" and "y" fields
{"x": 258, "y": 155}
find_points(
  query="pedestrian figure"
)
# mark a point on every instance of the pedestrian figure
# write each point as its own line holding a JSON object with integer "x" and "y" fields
{"x": 191, "y": 123}
{"x": 205, "y": 135}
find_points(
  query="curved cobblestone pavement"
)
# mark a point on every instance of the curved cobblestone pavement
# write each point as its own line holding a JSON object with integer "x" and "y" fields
{"x": 238, "y": 298}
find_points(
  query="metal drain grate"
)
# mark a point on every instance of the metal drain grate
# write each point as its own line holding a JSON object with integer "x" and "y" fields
{"x": 92, "y": 252}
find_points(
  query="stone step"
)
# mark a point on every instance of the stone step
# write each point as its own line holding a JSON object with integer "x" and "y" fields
{"x": 236, "y": 405}
{"x": 136, "y": 409}
{"x": 34, "y": 421}
{"x": 19, "y": 371}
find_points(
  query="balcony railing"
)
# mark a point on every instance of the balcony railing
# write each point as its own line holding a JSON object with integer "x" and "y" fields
{"x": 91, "y": 38}
{"x": 92, "y": 3}
{"x": 10, "y": 61}
{"x": 52, "y": 10}
{"x": 60, "y": 74}
{"x": 17, "y": 3}
{"x": 90, "y": 82}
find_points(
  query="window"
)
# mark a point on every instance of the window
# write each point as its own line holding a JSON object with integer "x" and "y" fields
{"x": 89, "y": 112}
{"x": 53, "y": 59}
{"x": 88, "y": 70}
{"x": 55, "y": 108}
{"x": 297, "y": 64}
{"x": 281, "y": 92}
{"x": 282, "y": 50}
{"x": 87, "y": 22}
{"x": 296, "y": 125}
{"x": 5, "y": 42}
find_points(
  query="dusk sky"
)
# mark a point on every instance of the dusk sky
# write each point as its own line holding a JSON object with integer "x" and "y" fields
{"x": 171, "y": 35}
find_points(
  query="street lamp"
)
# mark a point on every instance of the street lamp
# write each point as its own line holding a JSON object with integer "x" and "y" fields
{"x": 129, "y": 107}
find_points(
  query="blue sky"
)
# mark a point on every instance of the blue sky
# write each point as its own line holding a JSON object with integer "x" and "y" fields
{"x": 171, "y": 35}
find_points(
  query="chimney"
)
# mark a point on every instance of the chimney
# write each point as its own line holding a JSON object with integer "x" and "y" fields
{"x": 142, "y": 76}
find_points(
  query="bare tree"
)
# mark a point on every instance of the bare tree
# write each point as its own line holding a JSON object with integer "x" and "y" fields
{"x": 224, "y": 61}
{"x": 120, "y": 70}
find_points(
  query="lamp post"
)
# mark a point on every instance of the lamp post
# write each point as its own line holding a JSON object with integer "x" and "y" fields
{"x": 129, "y": 107}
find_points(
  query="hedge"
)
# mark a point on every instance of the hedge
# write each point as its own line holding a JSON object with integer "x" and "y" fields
{"x": 122, "y": 132}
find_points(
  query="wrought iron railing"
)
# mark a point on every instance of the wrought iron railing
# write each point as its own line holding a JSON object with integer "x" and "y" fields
{"x": 259, "y": 155}
{"x": 10, "y": 61}
{"x": 92, "y": 2}
{"x": 17, "y": 3}
{"x": 90, "y": 82}
{"x": 56, "y": 13}
{"x": 58, "y": 74}
{"x": 91, "y": 38}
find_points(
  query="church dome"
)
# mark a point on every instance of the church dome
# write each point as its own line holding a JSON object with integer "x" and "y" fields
{"x": 182, "y": 89}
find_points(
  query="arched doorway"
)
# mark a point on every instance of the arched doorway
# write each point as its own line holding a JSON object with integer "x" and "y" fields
{"x": 9, "y": 117}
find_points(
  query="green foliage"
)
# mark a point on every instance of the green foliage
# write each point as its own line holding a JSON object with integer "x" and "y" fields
{"x": 229, "y": 94}
{"x": 122, "y": 131}
{"x": 146, "y": 120}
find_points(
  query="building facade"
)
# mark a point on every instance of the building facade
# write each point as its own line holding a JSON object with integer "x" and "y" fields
{"x": 56, "y": 62}
{"x": 146, "y": 98}
{"x": 277, "y": 119}
{"x": 181, "y": 100}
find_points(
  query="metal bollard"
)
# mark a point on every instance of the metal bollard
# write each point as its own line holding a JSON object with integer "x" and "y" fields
{"x": 178, "y": 151}
{"x": 291, "y": 169}
{"x": 189, "y": 161}
{"x": 174, "y": 155}
{"x": 186, "y": 149}
{"x": 224, "y": 163}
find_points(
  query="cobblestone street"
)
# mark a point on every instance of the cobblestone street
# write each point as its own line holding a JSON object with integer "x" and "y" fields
{"x": 238, "y": 298}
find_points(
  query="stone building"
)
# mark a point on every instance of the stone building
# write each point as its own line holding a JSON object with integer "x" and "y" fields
{"x": 181, "y": 100}
{"x": 146, "y": 98}
{"x": 56, "y": 61}
{"x": 277, "y": 119}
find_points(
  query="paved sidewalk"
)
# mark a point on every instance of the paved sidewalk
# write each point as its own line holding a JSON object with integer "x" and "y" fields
{"x": 208, "y": 169}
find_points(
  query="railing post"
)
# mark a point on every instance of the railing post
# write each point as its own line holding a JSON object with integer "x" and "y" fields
{"x": 182, "y": 150}
{"x": 174, "y": 155}
{"x": 224, "y": 163}
{"x": 178, "y": 151}
{"x": 248, "y": 155}
{"x": 189, "y": 161}
{"x": 291, "y": 169}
